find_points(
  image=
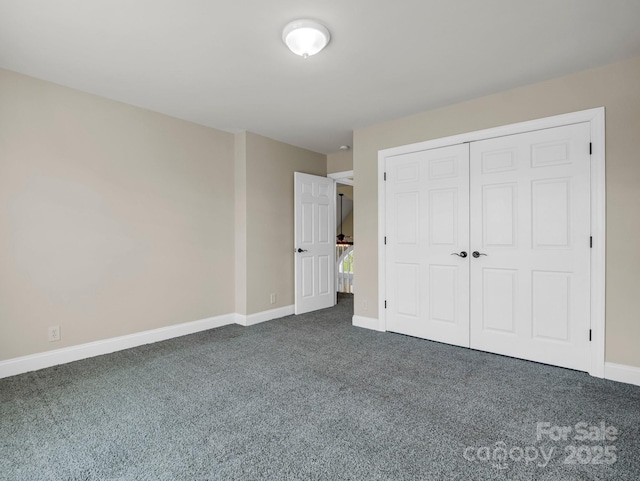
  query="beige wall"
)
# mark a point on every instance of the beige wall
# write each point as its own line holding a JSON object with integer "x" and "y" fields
{"x": 340, "y": 162}
{"x": 113, "y": 219}
{"x": 269, "y": 210}
{"x": 117, "y": 220}
{"x": 617, "y": 88}
{"x": 347, "y": 190}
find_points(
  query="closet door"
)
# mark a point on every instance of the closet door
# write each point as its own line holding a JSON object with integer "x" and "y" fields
{"x": 427, "y": 262}
{"x": 530, "y": 226}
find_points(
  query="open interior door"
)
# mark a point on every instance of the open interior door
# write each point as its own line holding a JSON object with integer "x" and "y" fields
{"x": 315, "y": 250}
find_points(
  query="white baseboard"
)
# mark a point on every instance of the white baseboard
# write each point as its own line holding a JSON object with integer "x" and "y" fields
{"x": 367, "y": 323}
{"x": 23, "y": 364}
{"x": 263, "y": 316}
{"x": 622, "y": 373}
{"x": 19, "y": 365}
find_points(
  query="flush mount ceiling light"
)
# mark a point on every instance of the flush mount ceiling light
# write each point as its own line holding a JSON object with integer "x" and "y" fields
{"x": 305, "y": 37}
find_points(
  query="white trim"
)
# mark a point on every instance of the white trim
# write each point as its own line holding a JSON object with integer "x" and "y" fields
{"x": 41, "y": 360}
{"x": 622, "y": 373}
{"x": 367, "y": 323}
{"x": 23, "y": 364}
{"x": 599, "y": 233}
{"x": 344, "y": 177}
{"x": 263, "y": 316}
{"x": 344, "y": 254}
{"x": 511, "y": 129}
{"x": 382, "y": 232}
{"x": 343, "y": 276}
{"x": 598, "y": 209}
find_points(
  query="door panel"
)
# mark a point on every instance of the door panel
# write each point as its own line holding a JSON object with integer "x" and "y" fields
{"x": 443, "y": 293}
{"x": 314, "y": 235}
{"x": 408, "y": 290}
{"x": 499, "y": 300}
{"x": 551, "y": 210}
{"x": 307, "y": 276}
{"x": 551, "y": 299}
{"x": 443, "y": 216}
{"x": 324, "y": 287}
{"x": 530, "y": 293}
{"x": 407, "y": 217}
{"x": 427, "y": 217}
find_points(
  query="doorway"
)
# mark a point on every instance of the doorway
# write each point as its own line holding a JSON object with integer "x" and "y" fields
{"x": 345, "y": 245}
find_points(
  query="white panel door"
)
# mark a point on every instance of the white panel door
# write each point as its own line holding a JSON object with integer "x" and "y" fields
{"x": 314, "y": 226}
{"x": 530, "y": 226}
{"x": 427, "y": 206}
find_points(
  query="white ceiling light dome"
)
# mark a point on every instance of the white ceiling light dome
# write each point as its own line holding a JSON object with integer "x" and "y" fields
{"x": 305, "y": 37}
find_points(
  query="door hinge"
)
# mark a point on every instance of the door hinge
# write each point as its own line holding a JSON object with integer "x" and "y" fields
{"x": 591, "y": 242}
{"x": 385, "y": 304}
{"x": 385, "y": 240}
{"x": 385, "y": 176}
{"x": 589, "y": 335}
{"x": 590, "y": 148}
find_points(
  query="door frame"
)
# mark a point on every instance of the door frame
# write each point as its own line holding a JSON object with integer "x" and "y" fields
{"x": 344, "y": 177}
{"x": 596, "y": 119}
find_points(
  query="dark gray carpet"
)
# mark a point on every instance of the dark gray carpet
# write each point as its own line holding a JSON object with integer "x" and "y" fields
{"x": 310, "y": 397}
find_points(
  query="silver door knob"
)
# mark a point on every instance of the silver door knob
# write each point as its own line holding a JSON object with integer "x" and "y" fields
{"x": 477, "y": 254}
{"x": 462, "y": 254}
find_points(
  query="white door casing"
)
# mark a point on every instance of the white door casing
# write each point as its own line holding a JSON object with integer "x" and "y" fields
{"x": 530, "y": 218}
{"x": 551, "y": 197}
{"x": 428, "y": 261}
{"x": 314, "y": 227}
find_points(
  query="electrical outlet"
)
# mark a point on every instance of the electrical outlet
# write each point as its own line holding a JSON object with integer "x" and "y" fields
{"x": 365, "y": 305}
{"x": 54, "y": 333}
{"x": 273, "y": 298}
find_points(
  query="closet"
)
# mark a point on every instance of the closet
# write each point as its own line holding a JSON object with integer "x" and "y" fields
{"x": 487, "y": 244}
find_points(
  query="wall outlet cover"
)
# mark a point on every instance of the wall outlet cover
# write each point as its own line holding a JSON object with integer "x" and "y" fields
{"x": 54, "y": 333}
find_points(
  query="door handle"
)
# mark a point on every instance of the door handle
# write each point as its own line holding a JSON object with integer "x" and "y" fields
{"x": 302, "y": 250}
{"x": 477, "y": 254}
{"x": 462, "y": 254}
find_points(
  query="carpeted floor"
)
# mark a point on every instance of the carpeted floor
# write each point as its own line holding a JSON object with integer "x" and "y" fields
{"x": 311, "y": 397}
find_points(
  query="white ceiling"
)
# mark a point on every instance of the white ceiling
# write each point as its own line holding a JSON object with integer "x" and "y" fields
{"x": 222, "y": 63}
